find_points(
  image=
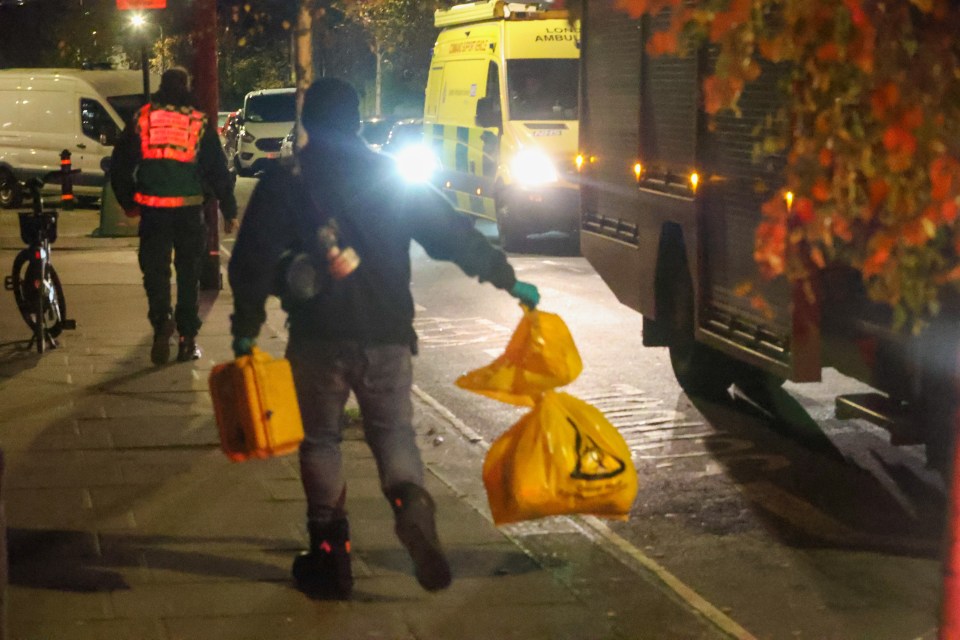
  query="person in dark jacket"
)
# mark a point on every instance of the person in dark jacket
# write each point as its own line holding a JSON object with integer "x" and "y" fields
{"x": 356, "y": 332}
{"x": 167, "y": 158}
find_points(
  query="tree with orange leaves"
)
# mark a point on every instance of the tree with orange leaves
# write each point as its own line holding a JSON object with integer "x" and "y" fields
{"x": 871, "y": 126}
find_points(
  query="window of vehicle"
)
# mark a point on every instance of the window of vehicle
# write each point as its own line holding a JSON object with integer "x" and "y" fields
{"x": 543, "y": 88}
{"x": 271, "y": 107}
{"x": 95, "y": 120}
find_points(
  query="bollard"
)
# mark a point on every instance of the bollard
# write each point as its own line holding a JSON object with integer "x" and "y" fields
{"x": 66, "y": 180}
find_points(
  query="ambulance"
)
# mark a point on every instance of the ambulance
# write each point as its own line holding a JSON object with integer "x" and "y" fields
{"x": 501, "y": 114}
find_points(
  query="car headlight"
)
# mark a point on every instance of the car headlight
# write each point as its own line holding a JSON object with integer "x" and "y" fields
{"x": 416, "y": 163}
{"x": 533, "y": 167}
{"x": 247, "y": 137}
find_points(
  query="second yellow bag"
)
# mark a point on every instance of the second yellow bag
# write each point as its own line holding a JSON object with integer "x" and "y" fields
{"x": 540, "y": 356}
{"x": 563, "y": 457}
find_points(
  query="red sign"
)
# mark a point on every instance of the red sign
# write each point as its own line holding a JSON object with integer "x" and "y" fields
{"x": 124, "y": 5}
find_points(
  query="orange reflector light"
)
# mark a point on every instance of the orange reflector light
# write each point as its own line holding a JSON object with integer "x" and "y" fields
{"x": 694, "y": 180}
{"x": 788, "y": 196}
{"x": 637, "y": 170}
{"x": 579, "y": 161}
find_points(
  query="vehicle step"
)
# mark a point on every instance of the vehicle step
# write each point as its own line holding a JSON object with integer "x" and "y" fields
{"x": 883, "y": 412}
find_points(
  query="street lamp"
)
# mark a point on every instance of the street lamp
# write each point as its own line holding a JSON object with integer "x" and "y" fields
{"x": 138, "y": 22}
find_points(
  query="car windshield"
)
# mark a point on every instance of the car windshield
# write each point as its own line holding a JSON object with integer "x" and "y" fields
{"x": 376, "y": 131}
{"x": 543, "y": 89}
{"x": 271, "y": 107}
{"x": 126, "y": 106}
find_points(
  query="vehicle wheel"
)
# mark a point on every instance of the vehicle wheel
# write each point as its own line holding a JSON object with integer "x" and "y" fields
{"x": 701, "y": 370}
{"x": 940, "y": 393}
{"x": 11, "y": 194}
{"x": 512, "y": 238}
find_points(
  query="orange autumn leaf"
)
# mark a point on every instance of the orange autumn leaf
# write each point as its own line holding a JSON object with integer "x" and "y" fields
{"x": 803, "y": 210}
{"x": 726, "y": 21}
{"x": 912, "y": 118}
{"x": 828, "y": 52}
{"x": 876, "y": 262}
{"x": 857, "y": 15}
{"x": 883, "y": 98}
{"x": 948, "y": 211}
{"x": 942, "y": 171}
{"x": 878, "y": 190}
{"x": 821, "y": 190}
{"x": 825, "y": 157}
{"x": 720, "y": 92}
{"x": 773, "y": 48}
{"x": 663, "y": 42}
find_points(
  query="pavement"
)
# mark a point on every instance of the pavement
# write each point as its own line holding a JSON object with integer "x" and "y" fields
{"x": 126, "y": 522}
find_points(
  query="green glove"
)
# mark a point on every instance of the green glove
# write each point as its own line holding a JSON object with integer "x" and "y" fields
{"x": 525, "y": 293}
{"x": 243, "y": 346}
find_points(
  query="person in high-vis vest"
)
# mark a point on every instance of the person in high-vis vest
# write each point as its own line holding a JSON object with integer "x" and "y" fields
{"x": 166, "y": 163}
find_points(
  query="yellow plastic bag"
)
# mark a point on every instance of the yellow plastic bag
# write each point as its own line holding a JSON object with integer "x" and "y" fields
{"x": 540, "y": 356}
{"x": 563, "y": 457}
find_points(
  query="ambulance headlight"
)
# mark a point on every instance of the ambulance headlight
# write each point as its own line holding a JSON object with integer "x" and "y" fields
{"x": 416, "y": 163}
{"x": 533, "y": 167}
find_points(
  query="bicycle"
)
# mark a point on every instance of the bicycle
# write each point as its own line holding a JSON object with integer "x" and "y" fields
{"x": 34, "y": 282}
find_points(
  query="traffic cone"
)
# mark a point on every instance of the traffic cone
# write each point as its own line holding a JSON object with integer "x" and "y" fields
{"x": 113, "y": 221}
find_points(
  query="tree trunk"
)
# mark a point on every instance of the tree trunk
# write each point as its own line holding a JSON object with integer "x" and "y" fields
{"x": 303, "y": 69}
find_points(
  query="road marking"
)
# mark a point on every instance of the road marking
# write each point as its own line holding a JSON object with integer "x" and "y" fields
{"x": 598, "y": 532}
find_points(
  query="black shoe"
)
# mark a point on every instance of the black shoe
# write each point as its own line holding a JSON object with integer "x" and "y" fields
{"x": 323, "y": 572}
{"x": 160, "y": 351}
{"x": 413, "y": 510}
{"x": 187, "y": 349}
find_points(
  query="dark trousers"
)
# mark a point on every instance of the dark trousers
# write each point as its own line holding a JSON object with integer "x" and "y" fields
{"x": 180, "y": 232}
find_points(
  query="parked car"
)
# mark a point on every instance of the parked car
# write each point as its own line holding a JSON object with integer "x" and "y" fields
{"x": 266, "y": 117}
{"x": 375, "y": 131}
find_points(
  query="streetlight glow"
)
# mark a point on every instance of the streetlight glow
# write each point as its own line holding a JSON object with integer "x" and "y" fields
{"x": 137, "y": 20}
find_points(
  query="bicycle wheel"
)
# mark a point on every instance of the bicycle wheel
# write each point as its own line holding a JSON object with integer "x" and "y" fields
{"x": 26, "y": 289}
{"x": 39, "y": 304}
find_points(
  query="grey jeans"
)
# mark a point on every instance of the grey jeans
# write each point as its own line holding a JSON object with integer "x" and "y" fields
{"x": 380, "y": 378}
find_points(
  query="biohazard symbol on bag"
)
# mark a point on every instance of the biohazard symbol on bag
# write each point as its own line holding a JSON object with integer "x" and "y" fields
{"x": 562, "y": 457}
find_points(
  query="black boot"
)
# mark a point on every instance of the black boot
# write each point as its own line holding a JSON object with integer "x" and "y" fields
{"x": 323, "y": 572}
{"x": 160, "y": 351}
{"x": 413, "y": 510}
{"x": 188, "y": 349}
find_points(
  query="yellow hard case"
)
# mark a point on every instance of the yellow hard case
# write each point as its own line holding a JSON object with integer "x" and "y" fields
{"x": 256, "y": 407}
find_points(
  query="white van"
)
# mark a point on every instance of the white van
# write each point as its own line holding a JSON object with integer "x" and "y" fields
{"x": 44, "y": 111}
{"x": 265, "y": 119}
{"x": 501, "y": 111}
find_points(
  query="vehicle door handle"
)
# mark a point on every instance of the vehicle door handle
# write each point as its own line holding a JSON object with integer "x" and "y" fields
{"x": 81, "y": 146}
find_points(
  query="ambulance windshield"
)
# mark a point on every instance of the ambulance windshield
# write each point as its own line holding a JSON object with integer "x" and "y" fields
{"x": 543, "y": 88}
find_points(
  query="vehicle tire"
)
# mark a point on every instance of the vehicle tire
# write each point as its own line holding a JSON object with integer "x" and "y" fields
{"x": 512, "y": 238}
{"x": 940, "y": 393}
{"x": 11, "y": 193}
{"x": 701, "y": 370}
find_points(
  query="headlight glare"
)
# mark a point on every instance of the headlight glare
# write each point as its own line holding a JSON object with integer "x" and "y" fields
{"x": 533, "y": 167}
{"x": 416, "y": 163}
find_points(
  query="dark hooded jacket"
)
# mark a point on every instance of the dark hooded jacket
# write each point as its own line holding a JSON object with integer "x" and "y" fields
{"x": 377, "y": 214}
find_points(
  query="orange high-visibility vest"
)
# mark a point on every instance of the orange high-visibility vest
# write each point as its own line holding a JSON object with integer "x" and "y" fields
{"x": 169, "y": 145}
